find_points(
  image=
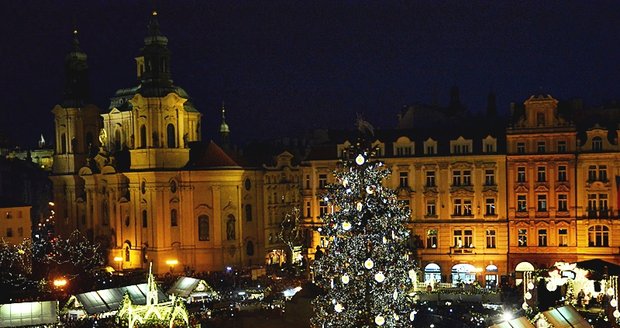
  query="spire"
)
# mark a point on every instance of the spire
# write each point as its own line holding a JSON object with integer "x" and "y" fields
{"x": 224, "y": 129}
{"x": 76, "y": 92}
{"x": 155, "y": 58}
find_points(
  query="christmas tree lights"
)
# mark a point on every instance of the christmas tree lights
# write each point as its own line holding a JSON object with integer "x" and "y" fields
{"x": 366, "y": 271}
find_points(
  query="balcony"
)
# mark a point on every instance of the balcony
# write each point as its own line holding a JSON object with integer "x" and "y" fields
{"x": 606, "y": 213}
{"x": 455, "y": 250}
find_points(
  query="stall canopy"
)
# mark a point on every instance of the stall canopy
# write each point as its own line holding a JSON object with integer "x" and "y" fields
{"x": 565, "y": 316}
{"x": 192, "y": 289}
{"x": 29, "y": 314}
{"x": 109, "y": 300}
{"x": 599, "y": 266}
{"x": 520, "y": 322}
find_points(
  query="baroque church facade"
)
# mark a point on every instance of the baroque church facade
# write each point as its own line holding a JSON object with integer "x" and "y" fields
{"x": 126, "y": 179}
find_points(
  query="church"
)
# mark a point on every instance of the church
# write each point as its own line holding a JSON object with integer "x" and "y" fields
{"x": 139, "y": 179}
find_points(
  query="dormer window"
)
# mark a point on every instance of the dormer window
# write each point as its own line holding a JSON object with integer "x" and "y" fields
{"x": 403, "y": 147}
{"x": 461, "y": 146}
{"x": 597, "y": 144}
{"x": 540, "y": 119}
{"x": 430, "y": 147}
{"x": 489, "y": 145}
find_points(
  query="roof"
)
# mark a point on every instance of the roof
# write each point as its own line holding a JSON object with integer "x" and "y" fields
{"x": 210, "y": 156}
{"x": 28, "y": 314}
{"x": 520, "y": 322}
{"x": 108, "y": 300}
{"x": 186, "y": 286}
{"x": 565, "y": 316}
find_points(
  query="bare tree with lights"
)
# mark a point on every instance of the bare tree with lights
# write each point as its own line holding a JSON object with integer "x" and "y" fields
{"x": 290, "y": 231}
{"x": 366, "y": 271}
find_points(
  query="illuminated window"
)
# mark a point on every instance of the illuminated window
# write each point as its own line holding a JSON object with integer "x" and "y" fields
{"x": 431, "y": 238}
{"x": 463, "y": 238}
{"x": 522, "y": 237}
{"x": 563, "y": 237}
{"x": 467, "y": 207}
{"x": 521, "y": 174}
{"x": 203, "y": 228}
{"x": 562, "y": 173}
{"x": 598, "y": 236}
{"x": 491, "y": 238}
{"x": 542, "y": 237}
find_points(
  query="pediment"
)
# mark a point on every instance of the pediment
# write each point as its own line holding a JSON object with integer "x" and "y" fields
{"x": 203, "y": 206}
{"x": 562, "y": 188}
{"x": 521, "y": 189}
{"x": 462, "y": 193}
{"x": 85, "y": 171}
{"x": 461, "y": 165}
{"x": 541, "y": 188}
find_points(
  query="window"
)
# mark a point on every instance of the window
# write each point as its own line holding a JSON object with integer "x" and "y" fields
{"x": 203, "y": 228}
{"x": 562, "y": 173}
{"x": 431, "y": 238}
{"x": 521, "y": 147}
{"x": 63, "y": 143}
{"x": 171, "y": 136}
{"x": 322, "y": 207}
{"x": 127, "y": 253}
{"x": 597, "y": 204}
{"x": 8, "y": 215}
{"x": 144, "y": 219}
{"x": 562, "y": 146}
{"x": 463, "y": 238}
{"x": 9, "y": 232}
{"x": 249, "y": 248}
{"x": 597, "y": 144}
{"x": 490, "y": 206}
{"x": 602, "y": 205}
{"x": 521, "y": 203}
{"x": 602, "y": 172}
{"x": 521, "y": 174}
{"x": 322, "y": 181}
{"x": 598, "y": 236}
{"x": 592, "y": 173}
{"x": 467, "y": 207}
{"x": 541, "y": 174}
{"x": 308, "y": 209}
{"x": 542, "y": 202}
{"x": 430, "y": 208}
{"x": 522, "y": 237}
{"x": 173, "y": 218}
{"x": 489, "y": 177}
{"x": 540, "y": 119}
{"x": 491, "y": 238}
{"x": 430, "y": 178}
{"x": 540, "y": 146}
{"x": 307, "y": 181}
{"x": 143, "y": 136}
{"x": 562, "y": 237}
{"x": 248, "y": 212}
{"x": 403, "y": 151}
{"x": 230, "y": 228}
{"x": 490, "y": 148}
{"x": 467, "y": 178}
{"x": 430, "y": 149}
{"x": 542, "y": 237}
{"x": 456, "y": 178}
{"x": 457, "y": 207}
{"x": 562, "y": 202}
{"x": 20, "y": 232}
{"x": 404, "y": 179}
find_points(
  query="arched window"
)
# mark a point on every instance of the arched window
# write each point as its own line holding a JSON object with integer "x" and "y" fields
{"x": 117, "y": 140}
{"x": 203, "y": 228}
{"x": 143, "y": 136}
{"x": 173, "y": 218}
{"x": 598, "y": 236}
{"x": 248, "y": 212}
{"x": 127, "y": 253}
{"x": 144, "y": 219}
{"x": 63, "y": 143}
{"x": 597, "y": 144}
{"x": 171, "y": 136}
{"x": 249, "y": 248}
{"x": 230, "y": 228}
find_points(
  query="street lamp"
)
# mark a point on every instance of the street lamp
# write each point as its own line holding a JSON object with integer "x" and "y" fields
{"x": 60, "y": 283}
{"x": 172, "y": 263}
{"x": 119, "y": 261}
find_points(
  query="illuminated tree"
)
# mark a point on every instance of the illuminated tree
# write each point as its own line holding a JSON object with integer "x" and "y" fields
{"x": 290, "y": 231}
{"x": 16, "y": 264}
{"x": 75, "y": 255}
{"x": 365, "y": 271}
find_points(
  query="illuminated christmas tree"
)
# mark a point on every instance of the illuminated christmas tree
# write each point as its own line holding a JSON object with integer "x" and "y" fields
{"x": 365, "y": 271}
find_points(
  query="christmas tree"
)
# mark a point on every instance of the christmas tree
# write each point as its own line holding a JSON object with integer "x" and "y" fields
{"x": 365, "y": 270}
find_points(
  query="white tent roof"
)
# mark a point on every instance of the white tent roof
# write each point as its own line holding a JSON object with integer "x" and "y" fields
{"x": 187, "y": 286}
{"x": 28, "y": 314}
{"x": 108, "y": 300}
{"x": 565, "y": 316}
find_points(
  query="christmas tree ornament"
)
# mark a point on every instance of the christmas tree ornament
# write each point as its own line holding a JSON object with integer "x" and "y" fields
{"x": 346, "y": 225}
{"x": 360, "y": 160}
{"x": 412, "y": 315}
{"x": 338, "y": 307}
{"x": 369, "y": 264}
{"x": 358, "y": 206}
{"x": 345, "y": 279}
{"x": 379, "y": 320}
{"x": 379, "y": 277}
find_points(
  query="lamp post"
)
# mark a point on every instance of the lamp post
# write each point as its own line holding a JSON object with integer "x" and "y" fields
{"x": 119, "y": 261}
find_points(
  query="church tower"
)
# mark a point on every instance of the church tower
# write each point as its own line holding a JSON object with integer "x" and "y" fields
{"x": 163, "y": 121}
{"x": 77, "y": 124}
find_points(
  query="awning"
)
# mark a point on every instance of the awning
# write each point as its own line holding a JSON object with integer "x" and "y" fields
{"x": 28, "y": 314}
{"x": 521, "y": 322}
{"x": 565, "y": 316}
{"x": 187, "y": 287}
{"x": 108, "y": 300}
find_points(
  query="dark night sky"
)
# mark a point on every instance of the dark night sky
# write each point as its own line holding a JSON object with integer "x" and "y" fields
{"x": 286, "y": 66}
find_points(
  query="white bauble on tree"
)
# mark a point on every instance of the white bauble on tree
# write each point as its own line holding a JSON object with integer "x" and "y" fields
{"x": 379, "y": 277}
{"x": 338, "y": 307}
{"x": 379, "y": 320}
{"x": 346, "y": 225}
{"x": 345, "y": 279}
{"x": 360, "y": 160}
{"x": 369, "y": 264}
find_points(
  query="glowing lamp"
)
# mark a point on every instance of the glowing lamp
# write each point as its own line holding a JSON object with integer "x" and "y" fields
{"x": 60, "y": 282}
{"x": 118, "y": 259}
{"x": 172, "y": 262}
